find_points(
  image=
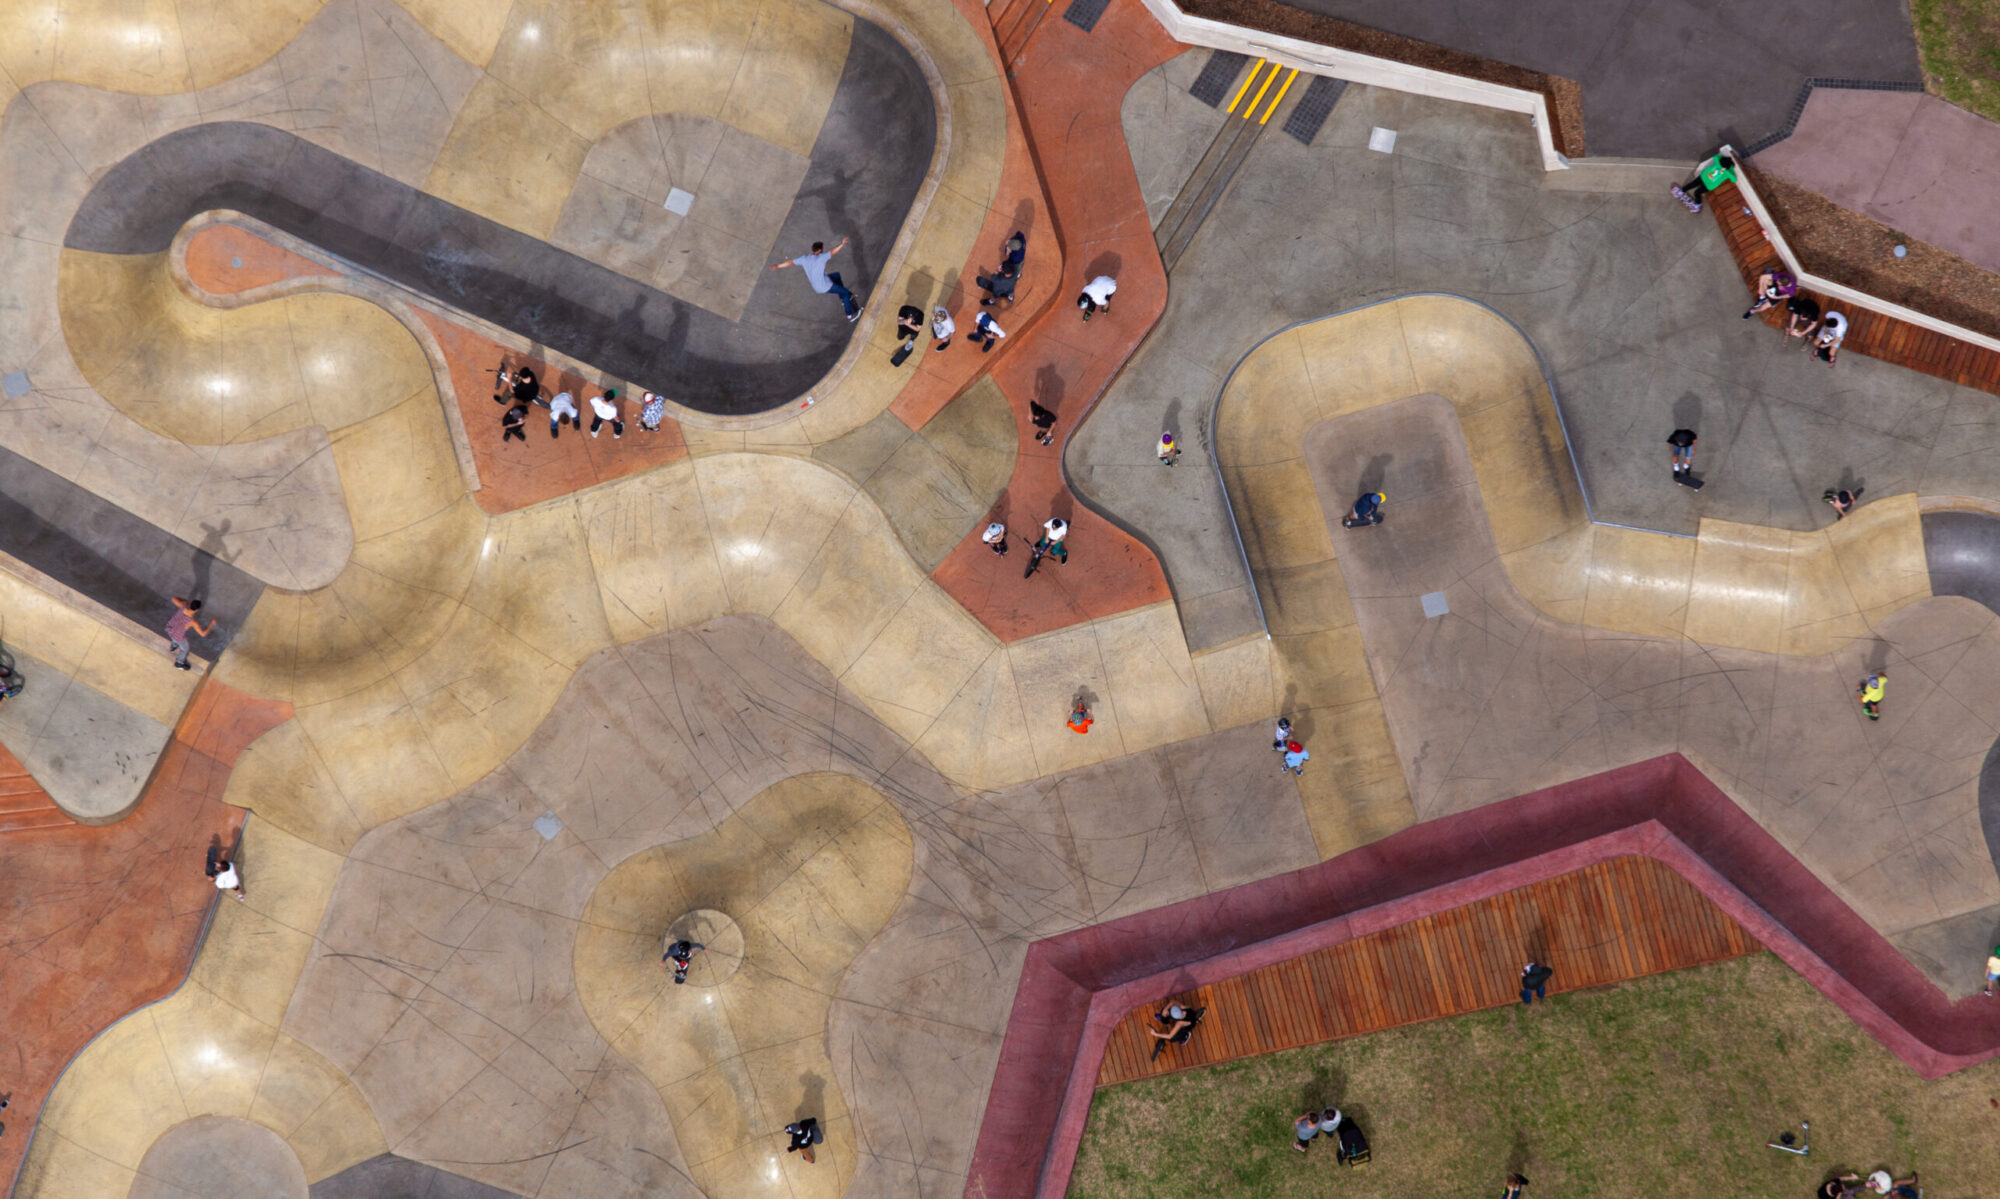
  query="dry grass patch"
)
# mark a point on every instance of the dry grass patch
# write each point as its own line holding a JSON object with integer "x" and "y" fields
{"x": 1664, "y": 1085}
{"x": 1959, "y": 43}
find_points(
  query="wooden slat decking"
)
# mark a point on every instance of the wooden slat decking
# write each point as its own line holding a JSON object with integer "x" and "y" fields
{"x": 1615, "y": 920}
{"x": 1869, "y": 333}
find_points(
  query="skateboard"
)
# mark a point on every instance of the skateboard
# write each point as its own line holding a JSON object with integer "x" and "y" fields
{"x": 1687, "y": 479}
{"x": 902, "y": 353}
{"x": 1693, "y": 205}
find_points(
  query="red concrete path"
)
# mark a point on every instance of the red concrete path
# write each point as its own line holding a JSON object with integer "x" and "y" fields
{"x": 1068, "y": 85}
{"x": 513, "y": 475}
{"x": 1074, "y": 988}
{"x": 103, "y": 920}
{"x": 23, "y": 803}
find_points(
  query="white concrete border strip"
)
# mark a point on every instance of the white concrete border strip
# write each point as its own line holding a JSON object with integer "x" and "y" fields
{"x": 1840, "y": 291}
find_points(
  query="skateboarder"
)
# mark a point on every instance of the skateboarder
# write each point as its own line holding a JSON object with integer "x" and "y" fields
{"x": 1080, "y": 719}
{"x": 823, "y": 281}
{"x": 1169, "y": 450}
{"x": 804, "y": 1135}
{"x": 1682, "y": 442}
{"x": 1708, "y": 176}
{"x": 180, "y": 624}
{"x": 909, "y": 327}
{"x": 1870, "y": 691}
{"x": 1367, "y": 511}
{"x": 680, "y": 953}
{"x": 995, "y": 537}
{"x": 1841, "y": 500}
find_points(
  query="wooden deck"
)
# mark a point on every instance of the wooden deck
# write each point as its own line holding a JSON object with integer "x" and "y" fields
{"x": 1868, "y": 333}
{"x": 1618, "y": 919}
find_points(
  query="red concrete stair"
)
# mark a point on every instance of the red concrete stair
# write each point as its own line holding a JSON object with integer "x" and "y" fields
{"x": 23, "y": 803}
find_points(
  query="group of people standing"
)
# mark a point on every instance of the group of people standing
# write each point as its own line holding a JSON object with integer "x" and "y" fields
{"x": 521, "y": 390}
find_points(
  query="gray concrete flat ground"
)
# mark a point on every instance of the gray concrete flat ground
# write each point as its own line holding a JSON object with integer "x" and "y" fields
{"x": 1665, "y": 78}
{"x": 91, "y": 753}
{"x": 1633, "y": 304}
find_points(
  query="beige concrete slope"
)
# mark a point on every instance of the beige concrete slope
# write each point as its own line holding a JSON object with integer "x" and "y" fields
{"x": 156, "y": 47}
{"x": 1734, "y": 585}
{"x": 213, "y": 1048}
{"x": 1795, "y": 593}
{"x": 810, "y": 870}
{"x": 204, "y": 375}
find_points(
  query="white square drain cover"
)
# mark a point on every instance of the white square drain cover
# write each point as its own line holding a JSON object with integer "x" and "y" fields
{"x": 1382, "y": 141}
{"x": 1434, "y": 605}
{"x": 15, "y": 384}
{"x": 679, "y": 201}
{"x": 548, "y": 825}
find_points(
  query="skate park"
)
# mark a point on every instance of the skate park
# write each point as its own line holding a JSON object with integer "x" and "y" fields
{"x": 485, "y": 721}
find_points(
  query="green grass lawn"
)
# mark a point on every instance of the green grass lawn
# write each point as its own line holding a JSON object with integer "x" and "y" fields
{"x": 1959, "y": 42}
{"x": 1669, "y": 1085}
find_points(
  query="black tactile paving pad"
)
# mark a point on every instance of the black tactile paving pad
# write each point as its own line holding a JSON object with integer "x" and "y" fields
{"x": 1213, "y": 83}
{"x": 1084, "y": 13}
{"x": 125, "y": 562}
{"x": 870, "y": 158}
{"x": 1313, "y": 108}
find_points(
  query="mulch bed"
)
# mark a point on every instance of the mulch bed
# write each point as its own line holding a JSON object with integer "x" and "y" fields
{"x": 1565, "y": 96}
{"x": 1846, "y": 247}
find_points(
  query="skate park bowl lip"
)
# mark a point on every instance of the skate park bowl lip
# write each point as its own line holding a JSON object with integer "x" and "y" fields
{"x": 1075, "y": 987}
{"x": 867, "y": 165}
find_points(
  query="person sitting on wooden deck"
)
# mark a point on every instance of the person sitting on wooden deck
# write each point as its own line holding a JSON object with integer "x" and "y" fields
{"x": 1773, "y": 286}
{"x": 1177, "y": 1026}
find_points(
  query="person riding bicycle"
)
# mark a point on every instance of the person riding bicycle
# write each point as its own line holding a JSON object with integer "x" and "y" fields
{"x": 1053, "y": 531}
{"x": 1367, "y": 510}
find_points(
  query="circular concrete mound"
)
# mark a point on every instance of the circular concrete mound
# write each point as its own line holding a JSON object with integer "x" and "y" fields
{"x": 219, "y": 1155}
{"x": 721, "y": 941}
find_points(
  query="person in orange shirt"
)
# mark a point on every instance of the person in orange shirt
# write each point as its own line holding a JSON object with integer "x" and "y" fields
{"x": 1079, "y": 717}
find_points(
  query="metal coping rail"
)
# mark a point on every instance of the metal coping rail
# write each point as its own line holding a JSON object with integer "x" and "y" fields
{"x": 1548, "y": 381}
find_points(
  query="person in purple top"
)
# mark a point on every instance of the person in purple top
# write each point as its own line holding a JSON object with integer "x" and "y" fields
{"x": 180, "y": 625}
{"x": 1773, "y": 286}
{"x": 823, "y": 281}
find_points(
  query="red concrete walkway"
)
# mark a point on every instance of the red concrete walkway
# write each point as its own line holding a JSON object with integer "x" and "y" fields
{"x": 511, "y": 476}
{"x": 1068, "y": 85}
{"x": 23, "y": 803}
{"x": 103, "y": 920}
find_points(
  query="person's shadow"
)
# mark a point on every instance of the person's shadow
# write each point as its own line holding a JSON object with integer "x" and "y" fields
{"x": 214, "y": 548}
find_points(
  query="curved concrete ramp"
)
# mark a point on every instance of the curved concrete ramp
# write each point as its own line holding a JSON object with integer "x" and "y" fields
{"x": 1962, "y": 550}
{"x": 866, "y": 165}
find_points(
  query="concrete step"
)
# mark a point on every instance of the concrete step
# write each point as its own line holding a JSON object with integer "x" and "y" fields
{"x": 34, "y": 820}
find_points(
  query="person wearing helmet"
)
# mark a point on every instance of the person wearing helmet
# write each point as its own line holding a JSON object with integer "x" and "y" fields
{"x": 1170, "y": 450}
{"x": 1870, "y": 691}
{"x": 995, "y": 537}
{"x": 1367, "y": 510}
{"x": 1296, "y": 758}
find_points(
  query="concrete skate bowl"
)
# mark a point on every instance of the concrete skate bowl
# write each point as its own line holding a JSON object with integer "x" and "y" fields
{"x": 867, "y": 163}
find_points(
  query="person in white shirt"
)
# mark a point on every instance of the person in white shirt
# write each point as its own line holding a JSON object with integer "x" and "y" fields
{"x": 987, "y": 332}
{"x": 1096, "y": 296}
{"x": 942, "y": 327}
{"x": 995, "y": 537}
{"x": 563, "y": 405}
{"x": 606, "y": 408}
{"x": 1053, "y": 531}
{"x": 1826, "y": 347}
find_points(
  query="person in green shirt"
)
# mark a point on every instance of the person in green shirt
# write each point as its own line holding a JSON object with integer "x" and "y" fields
{"x": 1708, "y": 176}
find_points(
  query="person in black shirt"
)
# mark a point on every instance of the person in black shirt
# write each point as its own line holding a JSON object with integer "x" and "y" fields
{"x": 1534, "y": 982}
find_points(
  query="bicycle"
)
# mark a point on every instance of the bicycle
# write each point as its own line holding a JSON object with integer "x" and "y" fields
{"x": 1035, "y": 555}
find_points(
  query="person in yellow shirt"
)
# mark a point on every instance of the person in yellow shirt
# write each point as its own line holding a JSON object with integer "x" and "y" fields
{"x": 1870, "y": 691}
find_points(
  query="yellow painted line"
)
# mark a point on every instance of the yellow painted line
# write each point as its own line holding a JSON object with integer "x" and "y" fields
{"x": 1250, "y": 79}
{"x": 1266, "y": 118}
{"x": 1268, "y": 81}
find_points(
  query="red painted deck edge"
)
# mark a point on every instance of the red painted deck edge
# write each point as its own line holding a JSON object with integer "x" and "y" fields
{"x": 1074, "y": 988}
